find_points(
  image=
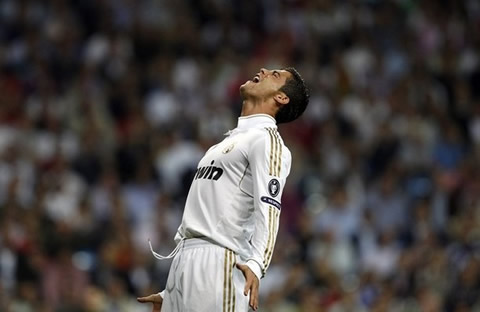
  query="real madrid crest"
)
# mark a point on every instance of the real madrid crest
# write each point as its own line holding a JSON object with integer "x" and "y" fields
{"x": 228, "y": 149}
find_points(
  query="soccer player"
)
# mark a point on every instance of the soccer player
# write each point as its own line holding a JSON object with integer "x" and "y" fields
{"x": 230, "y": 222}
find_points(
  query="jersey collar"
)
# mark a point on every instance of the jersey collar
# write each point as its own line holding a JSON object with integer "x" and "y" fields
{"x": 256, "y": 121}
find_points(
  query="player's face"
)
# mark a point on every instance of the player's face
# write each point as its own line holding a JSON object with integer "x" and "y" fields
{"x": 265, "y": 83}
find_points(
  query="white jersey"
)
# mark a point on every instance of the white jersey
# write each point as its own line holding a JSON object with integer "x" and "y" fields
{"x": 234, "y": 200}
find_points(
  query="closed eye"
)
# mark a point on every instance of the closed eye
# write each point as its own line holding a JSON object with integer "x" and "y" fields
{"x": 276, "y": 74}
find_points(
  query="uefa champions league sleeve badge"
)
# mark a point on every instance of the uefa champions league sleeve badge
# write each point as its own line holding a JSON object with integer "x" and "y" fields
{"x": 273, "y": 187}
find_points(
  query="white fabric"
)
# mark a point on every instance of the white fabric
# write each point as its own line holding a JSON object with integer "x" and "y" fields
{"x": 235, "y": 197}
{"x": 230, "y": 201}
{"x": 203, "y": 278}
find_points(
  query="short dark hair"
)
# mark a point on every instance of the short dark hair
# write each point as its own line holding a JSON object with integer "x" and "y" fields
{"x": 297, "y": 91}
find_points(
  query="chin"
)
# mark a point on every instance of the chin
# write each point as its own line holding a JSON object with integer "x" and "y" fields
{"x": 244, "y": 88}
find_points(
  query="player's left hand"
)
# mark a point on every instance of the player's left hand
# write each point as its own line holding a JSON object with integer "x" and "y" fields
{"x": 251, "y": 285}
{"x": 155, "y": 299}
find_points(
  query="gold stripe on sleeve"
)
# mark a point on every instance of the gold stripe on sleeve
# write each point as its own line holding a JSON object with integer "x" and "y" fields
{"x": 271, "y": 155}
{"x": 270, "y": 223}
{"x": 274, "y": 226}
{"x": 275, "y": 152}
{"x": 279, "y": 154}
{"x": 275, "y": 155}
{"x": 272, "y": 138}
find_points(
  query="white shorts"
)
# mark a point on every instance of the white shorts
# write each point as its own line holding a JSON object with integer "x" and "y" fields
{"x": 203, "y": 278}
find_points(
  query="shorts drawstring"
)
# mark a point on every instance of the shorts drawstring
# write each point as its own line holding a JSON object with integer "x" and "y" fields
{"x": 171, "y": 255}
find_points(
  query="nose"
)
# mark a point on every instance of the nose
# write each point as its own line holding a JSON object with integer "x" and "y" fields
{"x": 263, "y": 71}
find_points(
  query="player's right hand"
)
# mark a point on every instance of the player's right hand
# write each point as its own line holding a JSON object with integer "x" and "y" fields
{"x": 155, "y": 299}
{"x": 251, "y": 285}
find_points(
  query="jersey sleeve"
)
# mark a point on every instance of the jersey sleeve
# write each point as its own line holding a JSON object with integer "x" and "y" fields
{"x": 270, "y": 163}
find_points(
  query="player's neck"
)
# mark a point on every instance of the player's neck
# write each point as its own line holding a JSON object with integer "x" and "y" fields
{"x": 250, "y": 107}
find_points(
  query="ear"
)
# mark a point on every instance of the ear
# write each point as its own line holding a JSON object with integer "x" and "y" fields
{"x": 281, "y": 98}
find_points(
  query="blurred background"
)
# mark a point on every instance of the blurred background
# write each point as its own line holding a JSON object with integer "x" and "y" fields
{"x": 107, "y": 105}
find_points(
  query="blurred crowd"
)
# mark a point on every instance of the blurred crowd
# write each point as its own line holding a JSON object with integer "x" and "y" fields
{"x": 106, "y": 106}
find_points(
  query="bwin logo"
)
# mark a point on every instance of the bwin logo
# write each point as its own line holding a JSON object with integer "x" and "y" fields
{"x": 209, "y": 172}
